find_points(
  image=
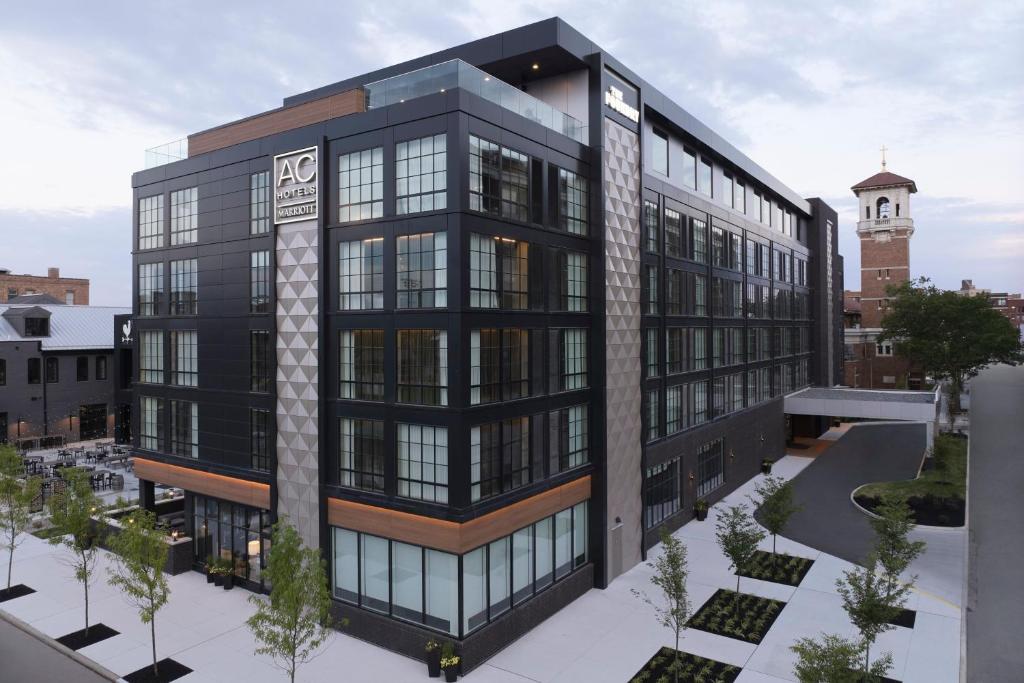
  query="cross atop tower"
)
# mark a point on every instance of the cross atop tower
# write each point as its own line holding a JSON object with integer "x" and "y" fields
{"x": 884, "y": 149}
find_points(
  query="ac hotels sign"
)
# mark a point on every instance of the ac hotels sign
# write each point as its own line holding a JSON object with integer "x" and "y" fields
{"x": 295, "y": 186}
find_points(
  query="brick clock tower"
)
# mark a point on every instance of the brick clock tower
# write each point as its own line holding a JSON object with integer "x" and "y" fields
{"x": 884, "y": 227}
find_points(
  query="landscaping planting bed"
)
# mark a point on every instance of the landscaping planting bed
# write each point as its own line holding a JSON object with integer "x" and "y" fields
{"x": 929, "y": 509}
{"x": 785, "y": 569}
{"x": 906, "y": 618}
{"x": 79, "y": 639}
{"x": 693, "y": 669}
{"x": 18, "y": 590}
{"x": 169, "y": 669}
{"x": 47, "y": 533}
{"x": 737, "y": 615}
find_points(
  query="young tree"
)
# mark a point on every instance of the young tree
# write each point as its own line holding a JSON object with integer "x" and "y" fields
{"x": 16, "y": 495}
{"x": 738, "y": 535}
{"x": 71, "y": 512}
{"x": 834, "y": 659}
{"x": 295, "y": 622}
{"x": 138, "y": 571}
{"x": 670, "y": 578}
{"x": 947, "y": 335}
{"x": 892, "y": 546}
{"x": 867, "y": 602}
{"x": 775, "y": 504}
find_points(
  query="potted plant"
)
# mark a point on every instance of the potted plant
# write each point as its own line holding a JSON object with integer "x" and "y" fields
{"x": 450, "y": 665}
{"x": 209, "y": 567}
{"x": 433, "y": 650}
{"x": 700, "y": 509}
{"x": 766, "y": 465}
{"x": 227, "y": 570}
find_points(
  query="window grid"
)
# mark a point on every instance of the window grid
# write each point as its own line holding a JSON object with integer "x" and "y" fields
{"x": 573, "y": 295}
{"x": 423, "y": 462}
{"x": 259, "y": 361}
{"x": 422, "y": 271}
{"x": 651, "y": 226}
{"x": 259, "y": 282}
{"x": 259, "y": 203}
{"x": 151, "y": 288}
{"x": 184, "y": 287}
{"x": 710, "y": 467}
{"x": 151, "y": 434}
{"x": 185, "y": 429}
{"x": 572, "y": 202}
{"x": 362, "y": 365}
{"x": 361, "y": 451}
{"x": 361, "y": 274}
{"x": 673, "y": 233}
{"x": 499, "y": 365}
{"x": 483, "y": 271}
{"x": 184, "y": 212}
{"x": 259, "y": 439}
{"x": 573, "y": 371}
{"x": 421, "y": 174}
{"x": 423, "y": 367}
{"x": 184, "y": 358}
{"x": 361, "y": 185}
{"x": 151, "y": 356}
{"x": 499, "y": 457}
{"x": 151, "y": 222}
{"x": 661, "y": 493}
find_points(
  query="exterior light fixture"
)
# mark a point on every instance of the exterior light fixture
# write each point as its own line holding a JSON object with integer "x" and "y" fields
{"x": 442, "y": 89}
{"x": 487, "y": 79}
{"x": 536, "y": 66}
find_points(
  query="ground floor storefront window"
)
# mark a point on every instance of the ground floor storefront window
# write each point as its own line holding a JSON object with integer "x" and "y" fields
{"x": 229, "y": 531}
{"x": 457, "y": 594}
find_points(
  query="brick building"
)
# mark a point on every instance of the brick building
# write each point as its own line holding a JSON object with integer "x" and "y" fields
{"x": 1010, "y": 305}
{"x": 884, "y": 228}
{"x": 68, "y": 290}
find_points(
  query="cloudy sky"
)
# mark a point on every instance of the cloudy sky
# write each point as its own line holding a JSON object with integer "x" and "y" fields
{"x": 808, "y": 90}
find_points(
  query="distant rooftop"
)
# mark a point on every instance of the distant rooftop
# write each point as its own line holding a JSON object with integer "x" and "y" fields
{"x": 71, "y": 327}
{"x": 882, "y": 395}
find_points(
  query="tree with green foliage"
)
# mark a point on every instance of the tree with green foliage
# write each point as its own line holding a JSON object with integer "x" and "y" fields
{"x": 295, "y": 622}
{"x": 948, "y": 336}
{"x": 834, "y": 659}
{"x": 869, "y": 603}
{"x": 775, "y": 504}
{"x": 140, "y": 553}
{"x": 894, "y": 549}
{"x": 670, "y": 572}
{"x": 738, "y": 536}
{"x": 17, "y": 491}
{"x": 72, "y": 510}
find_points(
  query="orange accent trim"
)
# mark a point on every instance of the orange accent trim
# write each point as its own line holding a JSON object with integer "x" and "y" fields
{"x": 242, "y": 491}
{"x": 277, "y": 121}
{"x": 455, "y": 537}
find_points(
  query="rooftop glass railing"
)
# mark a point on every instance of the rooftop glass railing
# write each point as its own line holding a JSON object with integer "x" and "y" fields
{"x": 458, "y": 74}
{"x": 166, "y": 153}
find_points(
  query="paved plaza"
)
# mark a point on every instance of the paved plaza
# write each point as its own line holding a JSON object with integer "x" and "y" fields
{"x": 606, "y": 635}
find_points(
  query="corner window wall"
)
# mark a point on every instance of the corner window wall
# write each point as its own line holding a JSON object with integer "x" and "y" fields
{"x": 361, "y": 185}
{"x": 427, "y": 587}
{"x": 421, "y": 174}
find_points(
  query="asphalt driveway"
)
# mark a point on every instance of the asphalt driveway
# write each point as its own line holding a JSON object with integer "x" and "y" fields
{"x": 868, "y": 452}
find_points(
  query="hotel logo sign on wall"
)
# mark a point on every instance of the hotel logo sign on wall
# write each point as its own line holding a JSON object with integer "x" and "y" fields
{"x": 295, "y": 186}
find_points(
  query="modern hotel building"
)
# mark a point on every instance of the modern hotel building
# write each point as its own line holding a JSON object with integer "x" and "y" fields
{"x": 479, "y": 324}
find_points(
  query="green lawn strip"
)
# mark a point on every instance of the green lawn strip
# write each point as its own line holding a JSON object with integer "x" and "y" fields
{"x": 46, "y": 533}
{"x": 745, "y": 618}
{"x": 785, "y": 569}
{"x": 692, "y": 669}
{"x": 943, "y": 484}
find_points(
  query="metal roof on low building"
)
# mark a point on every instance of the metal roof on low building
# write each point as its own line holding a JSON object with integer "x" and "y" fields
{"x": 71, "y": 327}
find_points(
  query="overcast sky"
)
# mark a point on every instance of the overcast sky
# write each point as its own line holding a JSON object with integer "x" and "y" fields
{"x": 809, "y": 91}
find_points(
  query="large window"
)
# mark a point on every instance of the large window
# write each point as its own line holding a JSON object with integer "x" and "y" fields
{"x": 423, "y": 367}
{"x": 651, "y": 365}
{"x": 710, "y": 467}
{"x": 569, "y": 438}
{"x": 361, "y": 185}
{"x": 661, "y": 493}
{"x": 650, "y": 290}
{"x": 151, "y": 356}
{"x": 82, "y": 369}
{"x": 260, "y": 439}
{"x": 651, "y": 226}
{"x": 704, "y": 177}
{"x": 697, "y": 248}
{"x": 499, "y": 365}
{"x": 151, "y": 435}
{"x": 185, "y": 428}
{"x": 3, "y": 378}
{"x": 423, "y": 462}
{"x": 236, "y": 533}
{"x": 727, "y": 297}
{"x": 422, "y": 270}
{"x": 685, "y": 349}
{"x": 259, "y": 282}
{"x": 674, "y": 222}
{"x": 184, "y": 287}
{"x": 151, "y": 222}
{"x": 53, "y": 370}
{"x": 499, "y": 271}
{"x": 572, "y": 294}
{"x": 259, "y": 360}
{"x": 361, "y": 274}
{"x": 361, "y": 454}
{"x": 259, "y": 203}
{"x": 659, "y": 152}
{"x": 499, "y": 457}
{"x": 34, "y": 371}
{"x": 151, "y": 288}
{"x": 362, "y": 364}
{"x": 499, "y": 180}
{"x": 572, "y": 369}
{"x": 653, "y": 412}
{"x": 572, "y": 202}
{"x": 421, "y": 174}
{"x": 685, "y": 293}
{"x": 184, "y": 213}
{"x": 184, "y": 358}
